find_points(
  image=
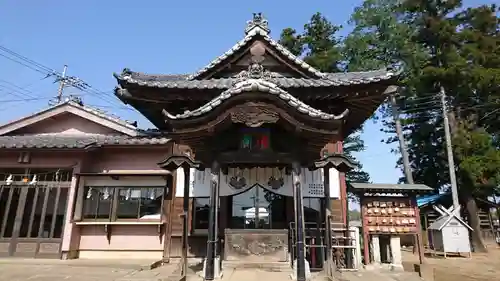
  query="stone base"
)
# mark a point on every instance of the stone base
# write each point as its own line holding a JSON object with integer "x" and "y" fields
{"x": 69, "y": 255}
{"x": 217, "y": 268}
{"x": 264, "y": 266}
{"x": 384, "y": 267}
{"x": 396, "y": 267}
{"x": 373, "y": 266}
{"x": 293, "y": 276}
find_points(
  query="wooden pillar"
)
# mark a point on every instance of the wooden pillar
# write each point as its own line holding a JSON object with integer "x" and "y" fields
{"x": 168, "y": 211}
{"x": 328, "y": 265}
{"x": 299, "y": 222}
{"x": 348, "y": 241}
{"x": 71, "y": 232}
{"x": 212, "y": 238}
{"x": 185, "y": 220}
{"x": 339, "y": 149}
{"x": 418, "y": 236}
{"x": 366, "y": 236}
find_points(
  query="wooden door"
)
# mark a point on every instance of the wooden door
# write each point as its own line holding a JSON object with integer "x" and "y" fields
{"x": 9, "y": 203}
{"x": 32, "y": 220}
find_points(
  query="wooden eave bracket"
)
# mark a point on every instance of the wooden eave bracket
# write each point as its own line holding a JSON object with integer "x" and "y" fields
{"x": 175, "y": 161}
{"x": 338, "y": 161}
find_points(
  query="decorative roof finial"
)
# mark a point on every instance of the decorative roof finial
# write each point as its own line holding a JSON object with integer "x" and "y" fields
{"x": 258, "y": 21}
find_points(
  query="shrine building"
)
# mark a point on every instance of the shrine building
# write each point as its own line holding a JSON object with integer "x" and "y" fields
{"x": 245, "y": 164}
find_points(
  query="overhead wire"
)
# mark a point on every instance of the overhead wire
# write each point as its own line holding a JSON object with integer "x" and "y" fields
{"x": 431, "y": 107}
{"x": 69, "y": 80}
{"x": 29, "y": 61}
{"x": 15, "y": 88}
{"x": 24, "y": 100}
{"x": 420, "y": 104}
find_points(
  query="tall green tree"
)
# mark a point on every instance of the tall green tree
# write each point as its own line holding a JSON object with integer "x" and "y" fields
{"x": 475, "y": 106}
{"x": 382, "y": 37}
{"x": 320, "y": 47}
{"x": 454, "y": 37}
{"x": 441, "y": 44}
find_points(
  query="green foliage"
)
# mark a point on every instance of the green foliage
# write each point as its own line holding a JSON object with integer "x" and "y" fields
{"x": 292, "y": 41}
{"x": 354, "y": 144}
{"x": 379, "y": 37}
{"x": 320, "y": 47}
{"x": 442, "y": 45}
{"x": 354, "y": 215}
{"x": 479, "y": 159}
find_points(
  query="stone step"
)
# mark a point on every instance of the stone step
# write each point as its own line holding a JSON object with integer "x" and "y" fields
{"x": 265, "y": 266}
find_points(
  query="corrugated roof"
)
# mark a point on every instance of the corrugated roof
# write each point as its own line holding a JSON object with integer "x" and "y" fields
{"x": 429, "y": 199}
{"x": 378, "y": 187}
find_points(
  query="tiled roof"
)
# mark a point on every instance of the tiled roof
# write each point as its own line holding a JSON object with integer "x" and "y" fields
{"x": 94, "y": 111}
{"x": 261, "y": 86}
{"x": 256, "y": 31}
{"x": 257, "y": 27}
{"x": 328, "y": 80}
{"x": 103, "y": 114}
{"x": 76, "y": 142}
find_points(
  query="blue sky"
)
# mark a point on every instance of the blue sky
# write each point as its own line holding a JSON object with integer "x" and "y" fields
{"x": 96, "y": 38}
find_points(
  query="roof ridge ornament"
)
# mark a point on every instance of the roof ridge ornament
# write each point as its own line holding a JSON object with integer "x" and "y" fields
{"x": 258, "y": 21}
{"x": 254, "y": 71}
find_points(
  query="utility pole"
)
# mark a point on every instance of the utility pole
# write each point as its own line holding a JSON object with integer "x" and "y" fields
{"x": 61, "y": 85}
{"x": 407, "y": 169}
{"x": 449, "y": 150}
{"x": 402, "y": 144}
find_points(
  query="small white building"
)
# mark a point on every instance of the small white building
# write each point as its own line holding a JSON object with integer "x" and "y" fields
{"x": 450, "y": 234}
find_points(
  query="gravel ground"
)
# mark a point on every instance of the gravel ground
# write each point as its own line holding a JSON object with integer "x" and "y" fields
{"x": 481, "y": 267}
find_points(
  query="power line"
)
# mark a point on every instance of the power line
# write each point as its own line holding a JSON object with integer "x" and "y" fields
{"x": 65, "y": 80}
{"x": 25, "y": 65}
{"x": 40, "y": 66}
{"x": 13, "y": 88}
{"x": 428, "y": 107}
{"x": 24, "y": 100}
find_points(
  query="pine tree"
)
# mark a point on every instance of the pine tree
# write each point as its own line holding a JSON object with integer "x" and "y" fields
{"x": 441, "y": 44}
{"x": 322, "y": 49}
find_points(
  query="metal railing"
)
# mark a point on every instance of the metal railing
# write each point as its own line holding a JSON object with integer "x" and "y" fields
{"x": 343, "y": 249}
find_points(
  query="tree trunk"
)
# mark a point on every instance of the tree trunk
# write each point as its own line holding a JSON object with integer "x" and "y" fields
{"x": 473, "y": 217}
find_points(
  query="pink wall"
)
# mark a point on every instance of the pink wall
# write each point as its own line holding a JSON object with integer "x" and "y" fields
{"x": 123, "y": 237}
{"x": 93, "y": 237}
{"x": 141, "y": 159}
{"x": 42, "y": 159}
{"x": 65, "y": 123}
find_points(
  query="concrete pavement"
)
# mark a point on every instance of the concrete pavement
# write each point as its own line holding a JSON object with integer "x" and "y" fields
{"x": 57, "y": 272}
{"x": 36, "y": 270}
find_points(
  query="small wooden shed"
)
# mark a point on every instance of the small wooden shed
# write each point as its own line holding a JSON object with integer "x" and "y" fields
{"x": 450, "y": 234}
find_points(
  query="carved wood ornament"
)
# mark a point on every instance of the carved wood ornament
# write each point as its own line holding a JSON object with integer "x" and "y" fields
{"x": 253, "y": 115}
